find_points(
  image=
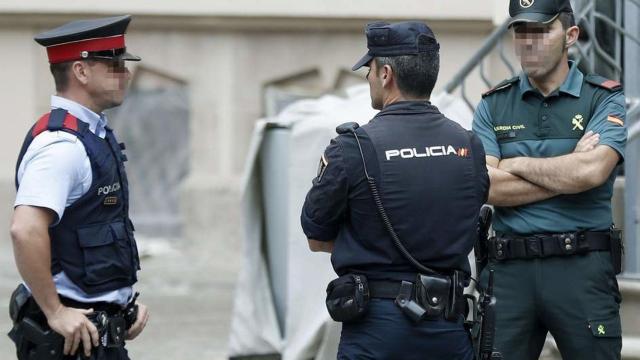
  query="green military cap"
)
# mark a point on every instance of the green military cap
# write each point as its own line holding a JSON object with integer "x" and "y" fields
{"x": 537, "y": 11}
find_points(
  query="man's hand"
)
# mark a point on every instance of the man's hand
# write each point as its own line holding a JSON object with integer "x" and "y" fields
{"x": 588, "y": 142}
{"x": 141, "y": 322}
{"x": 75, "y": 327}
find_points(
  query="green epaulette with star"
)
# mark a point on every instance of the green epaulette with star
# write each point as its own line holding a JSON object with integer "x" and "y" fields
{"x": 501, "y": 86}
{"x": 603, "y": 82}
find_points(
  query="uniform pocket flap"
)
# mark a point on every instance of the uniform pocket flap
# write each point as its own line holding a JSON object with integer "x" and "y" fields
{"x": 119, "y": 231}
{"x": 610, "y": 327}
{"x": 95, "y": 235}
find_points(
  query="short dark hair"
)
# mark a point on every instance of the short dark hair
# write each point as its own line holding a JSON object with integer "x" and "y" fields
{"x": 567, "y": 19}
{"x": 416, "y": 75}
{"x": 60, "y": 74}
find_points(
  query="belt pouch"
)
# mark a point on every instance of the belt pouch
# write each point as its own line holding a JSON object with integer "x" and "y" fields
{"x": 617, "y": 250}
{"x": 116, "y": 331}
{"x": 432, "y": 293}
{"x": 348, "y": 297}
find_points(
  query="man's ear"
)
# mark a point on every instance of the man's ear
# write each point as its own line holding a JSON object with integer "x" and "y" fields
{"x": 80, "y": 71}
{"x": 572, "y": 35}
{"x": 386, "y": 74}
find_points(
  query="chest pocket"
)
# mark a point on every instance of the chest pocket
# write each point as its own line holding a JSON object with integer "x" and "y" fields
{"x": 107, "y": 252}
{"x": 561, "y": 118}
{"x": 506, "y": 135}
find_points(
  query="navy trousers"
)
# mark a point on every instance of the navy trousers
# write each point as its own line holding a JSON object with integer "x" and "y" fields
{"x": 386, "y": 333}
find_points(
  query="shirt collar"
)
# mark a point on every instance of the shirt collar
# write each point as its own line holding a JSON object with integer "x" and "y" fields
{"x": 97, "y": 122}
{"x": 408, "y": 107}
{"x": 572, "y": 85}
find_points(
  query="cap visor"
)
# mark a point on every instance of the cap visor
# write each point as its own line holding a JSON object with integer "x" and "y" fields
{"x": 129, "y": 57}
{"x": 532, "y": 18}
{"x": 362, "y": 62}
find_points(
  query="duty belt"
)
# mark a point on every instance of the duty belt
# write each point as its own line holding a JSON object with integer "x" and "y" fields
{"x": 384, "y": 289}
{"x": 507, "y": 247}
{"x": 439, "y": 303}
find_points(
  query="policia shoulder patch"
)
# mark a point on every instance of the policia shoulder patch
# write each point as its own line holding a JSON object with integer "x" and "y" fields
{"x": 322, "y": 166}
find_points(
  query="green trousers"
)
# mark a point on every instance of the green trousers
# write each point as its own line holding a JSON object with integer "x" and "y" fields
{"x": 575, "y": 298}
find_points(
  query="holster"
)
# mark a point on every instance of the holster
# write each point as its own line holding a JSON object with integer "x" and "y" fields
{"x": 19, "y": 298}
{"x": 35, "y": 343}
{"x": 32, "y": 341}
{"x": 617, "y": 250}
{"x": 480, "y": 247}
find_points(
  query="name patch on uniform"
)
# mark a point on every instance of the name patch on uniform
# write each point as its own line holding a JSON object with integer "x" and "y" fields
{"x": 322, "y": 166}
{"x": 429, "y": 151}
{"x": 509, "y": 127}
{"x": 110, "y": 200}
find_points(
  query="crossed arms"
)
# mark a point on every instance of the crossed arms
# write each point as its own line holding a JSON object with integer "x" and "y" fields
{"x": 524, "y": 180}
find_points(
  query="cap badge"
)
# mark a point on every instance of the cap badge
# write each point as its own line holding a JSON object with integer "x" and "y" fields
{"x": 526, "y": 3}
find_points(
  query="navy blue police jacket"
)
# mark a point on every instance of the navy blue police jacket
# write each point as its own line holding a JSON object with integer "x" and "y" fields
{"x": 93, "y": 242}
{"x": 432, "y": 178}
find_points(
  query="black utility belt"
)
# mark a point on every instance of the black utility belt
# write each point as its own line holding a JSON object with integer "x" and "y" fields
{"x": 507, "y": 247}
{"x": 35, "y": 340}
{"x": 430, "y": 297}
{"x": 111, "y": 320}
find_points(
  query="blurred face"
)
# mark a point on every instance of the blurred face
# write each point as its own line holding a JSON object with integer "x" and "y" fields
{"x": 375, "y": 86}
{"x": 107, "y": 81}
{"x": 540, "y": 47}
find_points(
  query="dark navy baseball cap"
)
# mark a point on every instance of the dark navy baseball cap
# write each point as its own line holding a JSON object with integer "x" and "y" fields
{"x": 537, "y": 11}
{"x": 88, "y": 39}
{"x": 404, "y": 38}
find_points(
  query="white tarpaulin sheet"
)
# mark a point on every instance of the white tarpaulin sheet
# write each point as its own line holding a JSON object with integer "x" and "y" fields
{"x": 308, "y": 330}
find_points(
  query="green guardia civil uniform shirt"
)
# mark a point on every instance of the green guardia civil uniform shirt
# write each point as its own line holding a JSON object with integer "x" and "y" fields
{"x": 515, "y": 119}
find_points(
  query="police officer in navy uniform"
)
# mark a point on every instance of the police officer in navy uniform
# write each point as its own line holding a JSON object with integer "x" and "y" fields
{"x": 554, "y": 138}
{"x": 431, "y": 180}
{"x": 72, "y": 236}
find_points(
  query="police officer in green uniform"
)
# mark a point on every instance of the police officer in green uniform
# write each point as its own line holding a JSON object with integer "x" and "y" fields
{"x": 554, "y": 138}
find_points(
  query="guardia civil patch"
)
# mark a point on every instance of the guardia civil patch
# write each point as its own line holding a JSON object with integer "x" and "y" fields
{"x": 577, "y": 122}
{"x": 322, "y": 166}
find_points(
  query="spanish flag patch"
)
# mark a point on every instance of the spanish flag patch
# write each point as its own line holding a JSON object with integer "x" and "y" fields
{"x": 615, "y": 120}
{"x": 463, "y": 152}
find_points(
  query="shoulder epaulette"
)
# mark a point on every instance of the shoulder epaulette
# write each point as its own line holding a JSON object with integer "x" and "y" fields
{"x": 347, "y": 128}
{"x": 501, "y": 86}
{"x": 603, "y": 82}
{"x": 55, "y": 120}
